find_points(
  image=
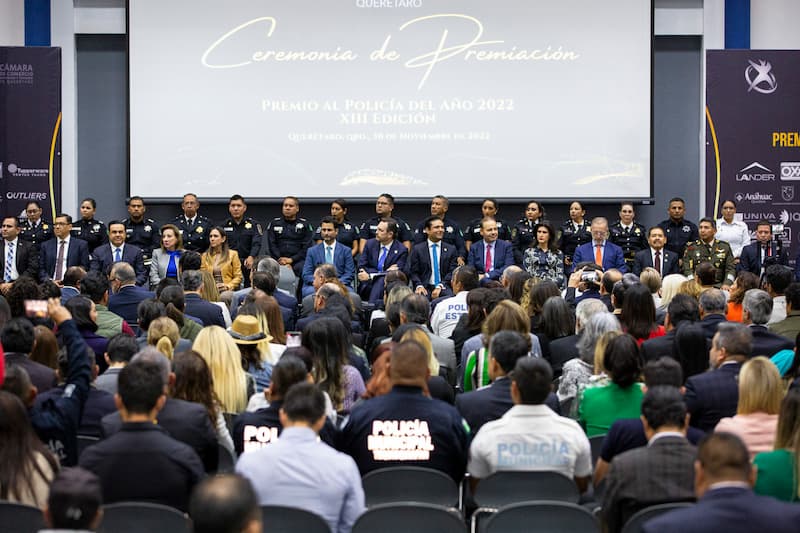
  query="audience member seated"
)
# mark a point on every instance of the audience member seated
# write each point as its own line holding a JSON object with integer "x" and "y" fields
{"x": 85, "y": 315}
{"x": 225, "y": 503}
{"x": 725, "y": 500}
{"x": 196, "y": 305}
{"x": 773, "y": 467}
{"x": 558, "y": 322}
{"x": 744, "y": 282}
{"x": 757, "y": 308}
{"x": 95, "y": 287}
{"x": 530, "y": 436}
{"x": 756, "y": 419}
{"x": 232, "y": 385}
{"x": 415, "y": 309}
{"x": 247, "y": 334}
{"x": 120, "y": 350}
{"x": 274, "y": 344}
{"x": 125, "y": 294}
{"x": 437, "y": 386}
{"x": 298, "y": 470}
{"x": 639, "y": 314}
{"x": 538, "y": 293}
{"x": 74, "y": 502}
{"x": 566, "y": 348}
{"x": 714, "y": 395}
{"x": 174, "y": 301}
{"x": 776, "y": 279}
{"x": 404, "y": 427}
{"x": 17, "y": 339}
{"x": 789, "y": 327}
{"x": 447, "y": 312}
{"x": 662, "y": 471}
{"x": 45, "y": 346}
{"x": 682, "y": 311}
{"x": 712, "y": 303}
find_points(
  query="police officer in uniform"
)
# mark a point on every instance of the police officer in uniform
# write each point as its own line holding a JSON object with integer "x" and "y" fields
{"x": 193, "y": 226}
{"x": 347, "y": 232}
{"x": 289, "y": 237}
{"x": 141, "y": 231}
{"x": 523, "y": 234}
{"x": 35, "y": 229}
{"x": 628, "y": 234}
{"x": 573, "y": 233}
{"x": 91, "y": 230}
{"x": 452, "y": 231}
{"x": 243, "y": 234}
{"x": 714, "y": 251}
{"x": 472, "y": 231}
{"x": 678, "y": 230}
{"x": 384, "y": 206}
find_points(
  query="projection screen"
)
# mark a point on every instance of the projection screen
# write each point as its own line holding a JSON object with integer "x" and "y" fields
{"x": 326, "y": 98}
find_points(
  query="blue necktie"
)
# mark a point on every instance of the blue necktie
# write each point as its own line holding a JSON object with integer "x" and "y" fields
{"x": 9, "y": 261}
{"x": 436, "y": 278}
{"x": 382, "y": 258}
{"x": 117, "y": 255}
{"x": 328, "y": 255}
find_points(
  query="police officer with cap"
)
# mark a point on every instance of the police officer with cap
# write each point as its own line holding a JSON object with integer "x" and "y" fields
{"x": 193, "y": 226}
{"x": 244, "y": 234}
{"x": 452, "y": 231}
{"x": 628, "y": 234}
{"x": 289, "y": 236}
{"x": 141, "y": 231}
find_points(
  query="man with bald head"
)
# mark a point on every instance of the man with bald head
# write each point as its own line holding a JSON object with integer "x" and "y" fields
{"x": 406, "y": 427}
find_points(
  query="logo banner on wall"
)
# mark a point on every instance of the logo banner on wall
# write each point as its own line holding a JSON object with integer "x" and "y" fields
{"x": 753, "y": 138}
{"x": 30, "y": 129}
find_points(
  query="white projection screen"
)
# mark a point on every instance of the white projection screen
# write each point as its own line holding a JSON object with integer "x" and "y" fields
{"x": 323, "y": 98}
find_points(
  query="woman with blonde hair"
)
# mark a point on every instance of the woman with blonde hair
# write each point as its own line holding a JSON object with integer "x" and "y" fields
{"x": 691, "y": 288}
{"x": 670, "y": 286}
{"x": 272, "y": 312}
{"x": 231, "y": 382}
{"x": 437, "y": 385}
{"x": 164, "y": 334}
{"x": 507, "y": 315}
{"x": 760, "y": 395}
{"x": 778, "y": 471}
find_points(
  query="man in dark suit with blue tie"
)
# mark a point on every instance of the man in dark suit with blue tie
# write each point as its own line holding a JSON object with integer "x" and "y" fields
{"x": 380, "y": 255}
{"x": 611, "y": 255}
{"x": 328, "y": 251}
{"x": 490, "y": 256}
{"x": 725, "y": 500}
{"x": 433, "y": 261}
{"x": 62, "y": 252}
{"x": 656, "y": 255}
{"x": 118, "y": 250}
{"x": 17, "y": 257}
{"x": 713, "y": 395}
{"x": 756, "y": 257}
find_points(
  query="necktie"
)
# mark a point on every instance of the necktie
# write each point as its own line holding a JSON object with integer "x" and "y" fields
{"x": 117, "y": 255}
{"x": 627, "y": 230}
{"x": 382, "y": 258}
{"x": 60, "y": 262}
{"x": 436, "y": 275}
{"x": 657, "y": 261}
{"x": 487, "y": 267}
{"x": 328, "y": 255}
{"x": 598, "y": 254}
{"x": 9, "y": 261}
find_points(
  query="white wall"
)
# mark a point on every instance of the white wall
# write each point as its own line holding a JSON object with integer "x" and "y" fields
{"x": 773, "y": 24}
{"x": 12, "y": 22}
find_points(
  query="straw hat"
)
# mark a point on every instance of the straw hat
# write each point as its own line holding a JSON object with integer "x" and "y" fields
{"x": 246, "y": 330}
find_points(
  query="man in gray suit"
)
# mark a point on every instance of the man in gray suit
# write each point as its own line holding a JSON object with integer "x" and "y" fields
{"x": 662, "y": 471}
{"x": 414, "y": 309}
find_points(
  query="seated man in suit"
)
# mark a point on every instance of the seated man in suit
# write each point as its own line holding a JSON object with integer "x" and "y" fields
{"x": 603, "y": 252}
{"x": 490, "y": 256}
{"x": 714, "y": 395}
{"x": 125, "y": 294}
{"x": 713, "y": 304}
{"x": 725, "y": 500}
{"x": 328, "y": 251}
{"x": 682, "y": 308}
{"x": 380, "y": 255}
{"x": 118, "y": 250}
{"x": 756, "y": 310}
{"x": 62, "y": 252}
{"x": 18, "y": 257}
{"x": 756, "y": 257}
{"x": 662, "y": 471}
{"x": 209, "y": 313}
{"x": 656, "y": 255}
{"x": 433, "y": 261}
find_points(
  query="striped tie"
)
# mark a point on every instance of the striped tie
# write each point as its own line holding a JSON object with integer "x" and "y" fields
{"x": 9, "y": 261}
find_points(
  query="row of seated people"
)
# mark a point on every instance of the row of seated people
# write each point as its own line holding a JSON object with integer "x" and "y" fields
{"x": 326, "y": 340}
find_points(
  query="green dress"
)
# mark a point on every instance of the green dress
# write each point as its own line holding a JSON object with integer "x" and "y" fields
{"x": 602, "y": 406}
{"x": 776, "y": 475}
{"x": 476, "y": 370}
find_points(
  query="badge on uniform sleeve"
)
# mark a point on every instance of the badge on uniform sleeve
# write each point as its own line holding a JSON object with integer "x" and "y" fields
{"x": 247, "y": 225}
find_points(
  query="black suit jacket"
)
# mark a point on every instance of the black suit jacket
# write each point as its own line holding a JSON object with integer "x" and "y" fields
{"x": 77, "y": 255}
{"x": 125, "y": 302}
{"x": 102, "y": 259}
{"x": 750, "y": 259}
{"x": 209, "y": 313}
{"x": 644, "y": 259}
{"x": 420, "y": 268}
{"x": 187, "y": 422}
{"x": 42, "y": 377}
{"x": 562, "y": 350}
{"x": 26, "y": 259}
{"x": 491, "y": 402}
{"x": 658, "y": 347}
{"x": 709, "y": 324}
{"x": 767, "y": 343}
{"x": 713, "y": 395}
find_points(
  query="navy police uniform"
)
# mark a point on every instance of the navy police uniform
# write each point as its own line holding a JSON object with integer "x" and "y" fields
{"x": 93, "y": 231}
{"x": 36, "y": 234}
{"x": 407, "y": 428}
{"x": 195, "y": 235}
{"x": 631, "y": 239}
{"x": 472, "y": 232}
{"x": 370, "y": 226}
{"x": 570, "y": 237}
{"x": 244, "y": 237}
{"x": 290, "y": 238}
{"x": 347, "y": 234}
{"x": 679, "y": 234}
{"x": 145, "y": 234}
{"x": 452, "y": 235}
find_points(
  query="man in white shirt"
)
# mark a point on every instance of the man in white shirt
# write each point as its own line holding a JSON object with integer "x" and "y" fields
{"x": 447, "y": 312}
{"x": 17, "y": 257}
{"x": 62, "y": 252}
{"x": 330, "y": 252}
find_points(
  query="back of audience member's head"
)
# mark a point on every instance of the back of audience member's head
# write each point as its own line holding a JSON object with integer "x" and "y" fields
{"x": 760, "y": 387}
{"x": 396, "y": 293}
{"x": 73, "y": 276}
{"x": 49, "y": 289}
{"x": 788, "y": 433}
{"x": 163, "y": 333}
{"x": 147, "y": 311}
{"x": 17, "y": 336}
{"x": 80, "y": 307}
{"x": 124, "y": 273}
{"x": 723, "y": 457}
{"x": 225, "y": 503}
{"x": 326, "y": 338}
{"x": 415, "y": 308}
{"x": 557, "y": 318}
{"x": 140, "y": 386}
{"x": 418, "y": 334}
{"x": 467, "y": 277}
{"x": 664, "y": 371}
{"x": 265, "y": 281}
{"x": 508, "y": 346}
{"x": 705, "y": 273}
{"x": 757, "y": 304}
{"x": 150, "y": 355}
{"x": 683, "y": 308}
{"x": 121, "y": 348}
{"x": 778, "y": 277}
{"x": 190, "y": 260}
{"x": 5, "y": 312}
{"x": 622, "y": 362}
{"x": 663, "y": 407}
{"x": 516, "y": 284}
{"x": 18, "y": 382}
{"x": 95, "y": 286}
{"x": 268, "y": 264}
{"x": 304, "y": 402}
{"x": 713, "y": 301}
{"x": 609, "y": 279}
{"x": 289, "y": 370}
{"x": 539, "y": 294}
{"x": 639, "y": 311}
{"x": 302, "y": 353}
{"x": 192, "y": 280}
{"x": 793, "y": 296}
{"x": 593, "y": 329}
{"x": 651, "y": 279}
{"x": 75, "y": 500}
{"x": 45, "y": 349}
{"x": 587, "y": 308}
{"x": 165, "y": 283}
{"x": 507, "y": 315}
{"x": 690, "y": 348}
{"x": 670, "y": 287}
{"x": 24, "y": 288}
{"x": 735, "y": 338}
{"x": 532, "y": 377}
{"x": 409, "y": 364}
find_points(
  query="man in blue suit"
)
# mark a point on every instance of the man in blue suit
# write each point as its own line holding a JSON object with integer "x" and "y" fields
{"x": 62, "y": 252}
{"x": 380, "y": 255}
{"x": 490, "y": 256}
{"x": 125, "y": 295}
{"x": 430, "y": 282}
{"x": 611, "y": 255}
{"x": 328, "y": 251}
{"x": 117, "y": 250}
{"x": 725, "y": 500}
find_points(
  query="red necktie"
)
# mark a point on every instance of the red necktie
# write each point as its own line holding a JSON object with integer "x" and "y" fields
{"x": 658, "y": 261}
{"x": 488, "y": 266}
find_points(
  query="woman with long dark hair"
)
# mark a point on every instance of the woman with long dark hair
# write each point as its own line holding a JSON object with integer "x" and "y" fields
{"x": 557, "y": 322}
{"x": 543, "y": 260}
{"x": 744, "y": 281}
{"x": 26, "y": 466}
{"x": 222, "y": 262}
{"x": 539, "y": 293}
{"x": 639, "y": 314}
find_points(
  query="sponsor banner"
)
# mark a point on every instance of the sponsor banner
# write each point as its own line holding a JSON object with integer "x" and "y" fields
{"x": 30, "y": 130}
{"x": 753, "y": 142}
